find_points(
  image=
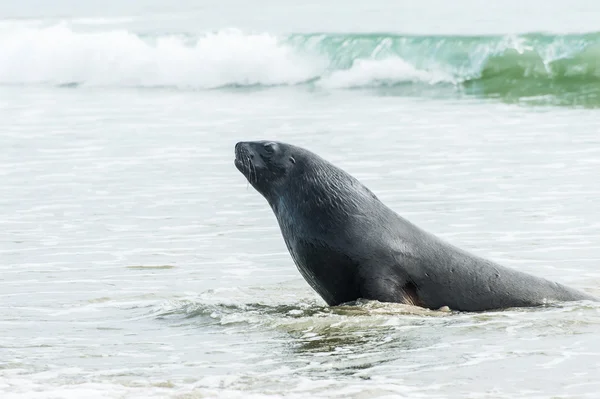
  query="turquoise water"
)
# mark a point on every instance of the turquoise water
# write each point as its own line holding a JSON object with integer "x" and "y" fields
{"x": 136, "y": 261}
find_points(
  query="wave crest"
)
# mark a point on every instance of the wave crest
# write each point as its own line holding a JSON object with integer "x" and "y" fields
{"x": 59, "y": 55}
{"x": 386, "y": 72}
{"x": 529, "y": 66}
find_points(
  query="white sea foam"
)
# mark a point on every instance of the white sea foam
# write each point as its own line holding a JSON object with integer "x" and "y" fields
{"x": 59, "y": 55}
{"x": 381, "y": 72}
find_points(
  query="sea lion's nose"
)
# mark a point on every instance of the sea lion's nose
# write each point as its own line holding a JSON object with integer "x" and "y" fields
{"x": 244, "y": 147}
{"x": 239, "y": 147}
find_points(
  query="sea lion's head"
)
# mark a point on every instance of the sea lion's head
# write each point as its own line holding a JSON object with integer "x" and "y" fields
{"x": 266, "y": 164}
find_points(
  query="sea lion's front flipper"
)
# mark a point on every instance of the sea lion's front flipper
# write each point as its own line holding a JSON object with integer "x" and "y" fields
{"x": 392, "y": 289}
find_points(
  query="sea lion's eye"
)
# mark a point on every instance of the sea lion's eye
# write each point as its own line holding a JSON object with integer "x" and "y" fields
{"x": 269, "y": 148}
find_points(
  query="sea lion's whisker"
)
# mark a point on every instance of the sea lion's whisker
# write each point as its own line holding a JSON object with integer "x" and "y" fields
{"x": 255, "y": 175}
{"x": 247, "y": 167}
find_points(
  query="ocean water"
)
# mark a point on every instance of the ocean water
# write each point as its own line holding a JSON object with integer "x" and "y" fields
{"x": 136, "y": 261}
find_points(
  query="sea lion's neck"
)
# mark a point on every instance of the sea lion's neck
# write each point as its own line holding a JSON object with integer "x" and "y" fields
{"x": 322, "y": 192}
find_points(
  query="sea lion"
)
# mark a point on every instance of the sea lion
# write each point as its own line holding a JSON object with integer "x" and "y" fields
{"x": 349, "y": 245}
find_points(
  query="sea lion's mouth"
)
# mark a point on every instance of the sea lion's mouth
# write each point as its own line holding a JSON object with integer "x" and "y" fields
{"x": 241, "y": 157}
{"x": 238, "y": 164}
{"x": 243, "y": 161}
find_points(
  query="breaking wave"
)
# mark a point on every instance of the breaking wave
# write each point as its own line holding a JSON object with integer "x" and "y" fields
{"x": 563, "y": 67}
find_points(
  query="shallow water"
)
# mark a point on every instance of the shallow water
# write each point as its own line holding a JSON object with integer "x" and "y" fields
{"x": 137, "y": 262}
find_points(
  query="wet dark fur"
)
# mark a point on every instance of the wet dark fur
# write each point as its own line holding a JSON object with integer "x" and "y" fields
{"x": 348, "y": 245}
